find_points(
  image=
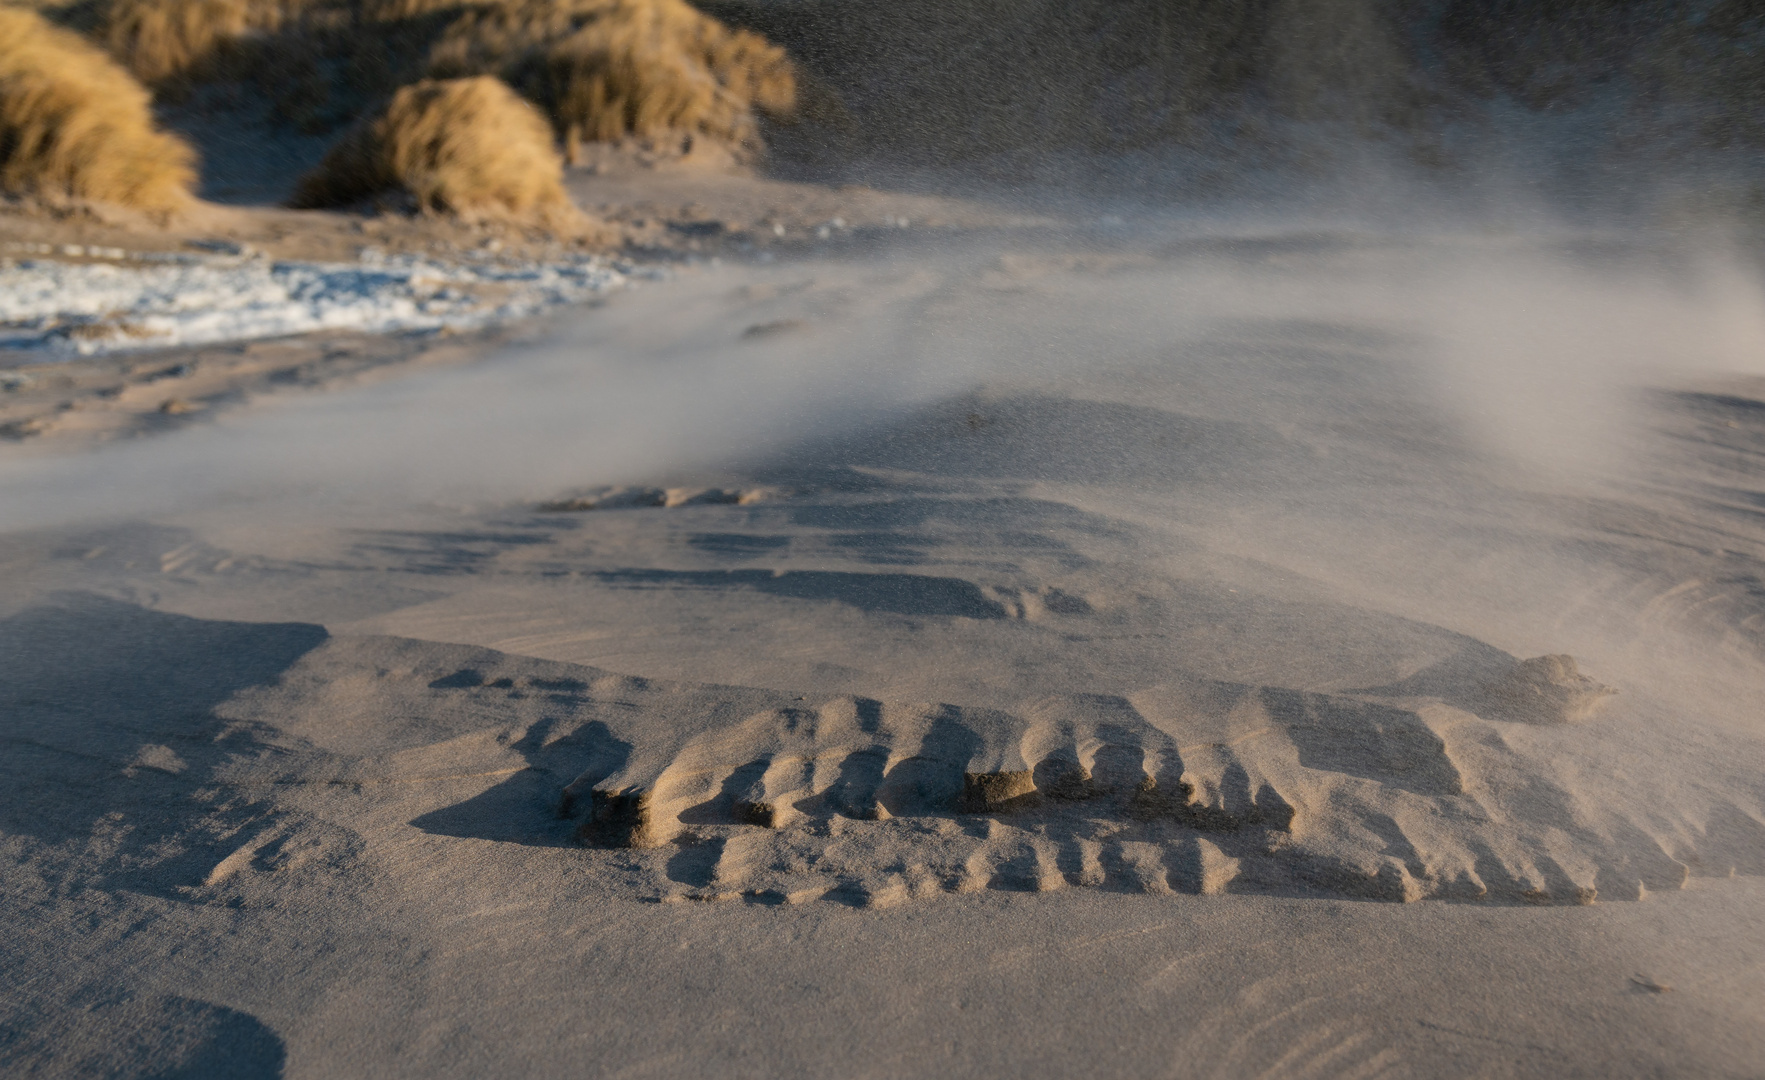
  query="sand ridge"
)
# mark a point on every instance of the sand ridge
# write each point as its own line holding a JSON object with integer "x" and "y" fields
{"x": 1197, "y": 786}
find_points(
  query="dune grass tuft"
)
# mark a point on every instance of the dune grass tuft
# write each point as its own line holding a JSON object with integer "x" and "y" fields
{"x": 75, "y": 125}
{"x": 607, "y": 69}
{"x": 466, "y": 147}
{"x": 601, "y": 69}
{"x": 163, "y": 39}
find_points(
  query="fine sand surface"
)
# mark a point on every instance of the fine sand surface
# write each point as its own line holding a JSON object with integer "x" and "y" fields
{"x": 1141, "y": 652}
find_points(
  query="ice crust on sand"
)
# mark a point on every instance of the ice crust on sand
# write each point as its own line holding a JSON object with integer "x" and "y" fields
{"x": 98, "y": 307}
{"x": 1198, "y": 786}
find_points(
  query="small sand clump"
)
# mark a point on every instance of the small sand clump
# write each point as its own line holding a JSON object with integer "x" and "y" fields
{"x": 466, "y": 147}
{"x": 74, "y": 125}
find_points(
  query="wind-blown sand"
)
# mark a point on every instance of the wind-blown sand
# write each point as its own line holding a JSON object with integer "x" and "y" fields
{"x": 1059, "y": 659}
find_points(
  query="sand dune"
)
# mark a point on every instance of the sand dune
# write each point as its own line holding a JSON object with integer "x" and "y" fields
{"x": 1074, "y": 721}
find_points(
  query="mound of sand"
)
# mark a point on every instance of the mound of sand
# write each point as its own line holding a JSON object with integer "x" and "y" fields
{"x": 1119, "y": 675}
{"x": 932, "y": 80}
{"x": 469, "y": 147}
{"x": 935, "y": 80}
{"x": 74, "y": 125}
{"x": 1196, "y": 786}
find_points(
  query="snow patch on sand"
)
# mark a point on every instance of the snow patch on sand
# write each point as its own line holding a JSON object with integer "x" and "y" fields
{"x": 95, "y": 307}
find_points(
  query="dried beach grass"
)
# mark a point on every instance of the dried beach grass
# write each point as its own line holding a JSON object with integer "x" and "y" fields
{"x": 74, "y": 125}
{"x": 163, "y": 39}
{"x": 601, "y": 69}
{"x": 608, "y": 69}
{"x": 466, "y": 147}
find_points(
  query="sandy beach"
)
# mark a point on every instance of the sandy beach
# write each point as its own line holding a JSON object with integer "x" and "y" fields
{"x": 1073, "y": 647}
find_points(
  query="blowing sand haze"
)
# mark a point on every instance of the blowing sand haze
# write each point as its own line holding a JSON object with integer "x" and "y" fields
{"x": 712, "y": 554}
{"x": 1122, "y": 685}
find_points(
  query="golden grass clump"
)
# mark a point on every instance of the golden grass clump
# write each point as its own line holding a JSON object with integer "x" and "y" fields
{"x": 468, "y": 147}
{"x": 161, "y": 39}
{"x": 75, "y": 125}
{"x": 602, "y": 69}
{"x": 606, "y": 69}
